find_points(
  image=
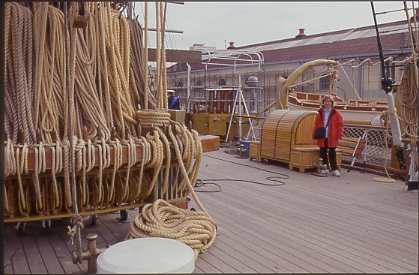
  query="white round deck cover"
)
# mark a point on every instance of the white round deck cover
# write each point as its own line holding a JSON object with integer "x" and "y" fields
{"x": 147, "y": 255}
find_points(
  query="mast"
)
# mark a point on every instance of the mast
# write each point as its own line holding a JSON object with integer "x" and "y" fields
{"x": 387, "y": 85}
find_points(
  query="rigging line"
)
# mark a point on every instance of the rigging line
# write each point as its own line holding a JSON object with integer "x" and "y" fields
{"x": 352, "y": 84}
{"x": 248, "y": 181}
{"x": 409, "y": 25}
{"x": 385, "y": 81}
{"x": 284, "y": 175}
{"x": 200, "y": 183}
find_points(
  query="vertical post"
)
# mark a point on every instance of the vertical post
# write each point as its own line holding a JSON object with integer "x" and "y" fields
{"x": 188, "y": 91}
{"x": 2, "y": 133}
{"x": 240, "y": 108}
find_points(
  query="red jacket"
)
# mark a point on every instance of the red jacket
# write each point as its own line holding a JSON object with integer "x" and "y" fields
{"x": 335, "y": 127}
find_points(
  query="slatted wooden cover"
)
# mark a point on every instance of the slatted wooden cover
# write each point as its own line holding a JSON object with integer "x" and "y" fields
{"x": 282, "y": 130}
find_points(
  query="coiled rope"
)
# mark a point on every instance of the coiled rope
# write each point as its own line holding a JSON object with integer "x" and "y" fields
{"x": 152, "y": 117}
{"x": 79, "y": 82}
{"x": 408, "y": 98}
{"x": 161, "y": 219}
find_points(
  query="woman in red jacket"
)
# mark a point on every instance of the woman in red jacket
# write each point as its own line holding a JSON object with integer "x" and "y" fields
{"x": 332, "y": 120}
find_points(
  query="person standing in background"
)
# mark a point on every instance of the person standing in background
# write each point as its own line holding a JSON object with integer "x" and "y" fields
{"x": 172, "y": 100}
{"x": 332, "y": 120}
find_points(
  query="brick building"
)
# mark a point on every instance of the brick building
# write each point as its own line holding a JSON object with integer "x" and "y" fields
{"x": 355, "y": 49}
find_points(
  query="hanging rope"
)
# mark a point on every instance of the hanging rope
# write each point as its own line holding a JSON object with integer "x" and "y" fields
{"x": 75, "y": 85}
{"x": 137, "y": 70}
{"x": 70, "y": 47}
{"x": 161, "y": 219}
{"x": 145, "y": 62}
{"x": 19, "y": 63}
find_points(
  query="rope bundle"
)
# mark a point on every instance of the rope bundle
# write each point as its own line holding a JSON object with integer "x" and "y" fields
{"x": 19, "y": 72}
{"x": 149, "y": 117}
{"x": 71, "y": 83}
{"x": 162, "y": 219}
{"x": 408, "y": 98}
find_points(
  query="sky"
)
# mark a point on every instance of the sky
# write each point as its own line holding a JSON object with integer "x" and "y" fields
{"x": 215, "y": 24}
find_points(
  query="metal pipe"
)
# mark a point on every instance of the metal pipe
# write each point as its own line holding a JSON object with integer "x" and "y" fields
{"x": 240, "y": 108}
{"x": 166, "y": 30}
{"x": 361, "y": 81}
{"x": 188, "y": 91}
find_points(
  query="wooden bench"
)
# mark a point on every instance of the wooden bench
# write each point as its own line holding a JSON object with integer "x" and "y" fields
{"x": 304, "y": 157}
{"x": 354, "y": 147}
{"x": 286, "y": 137}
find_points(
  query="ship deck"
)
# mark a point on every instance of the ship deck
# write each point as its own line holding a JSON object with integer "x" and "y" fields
{"x": 269, "y": 220}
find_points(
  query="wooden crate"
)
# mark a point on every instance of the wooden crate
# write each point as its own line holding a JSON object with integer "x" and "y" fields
{"x": 254, "y": 151}
{"x": 283, "y": 130}
{"x": 210, "y": 143}
{"x": 177, "y": 115}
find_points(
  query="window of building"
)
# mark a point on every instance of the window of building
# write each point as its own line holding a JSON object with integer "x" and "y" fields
{"x": 222, "y": 82}
{"x": 324, "y": 83}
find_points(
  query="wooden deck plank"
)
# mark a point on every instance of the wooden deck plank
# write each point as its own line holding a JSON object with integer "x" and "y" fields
{"x": 375, "y": 230}
{"x": 219, "y": 251}
{"x": 20, "y": 263}
{"x": 344, "y": 219}
{"x": 254, "y": 250}
{"x": 351, "y": 224}
{"x": 240, "y": 225}
{"x": 204, "y": 266}
{"x": 218, "y": 263}
{"x": 292, "y": 198}
{"x": 330, "y": 255}
{"x": 344, "y": 241}
{"x": 14, "y": 255}
{"x": 197, "y": 270}
{"x": 248, "y": 252}
{"x": 60, "y": 242}
{"x": 326, "y": 190}
{"x": 46, "y": 250}
{"x": 33, "y": 257}
{"x": 11, "y": 244}
{"x": 277, "y": 239}
{"x": 324, "y": 244}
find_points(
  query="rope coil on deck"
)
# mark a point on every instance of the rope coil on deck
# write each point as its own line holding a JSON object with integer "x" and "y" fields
{"x": 161, "y": 219}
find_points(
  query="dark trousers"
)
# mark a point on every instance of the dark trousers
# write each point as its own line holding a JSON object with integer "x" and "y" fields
{"x": 332, "y": 156}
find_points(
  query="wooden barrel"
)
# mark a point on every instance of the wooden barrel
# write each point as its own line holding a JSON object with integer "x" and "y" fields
{"x": 283, "y": 130}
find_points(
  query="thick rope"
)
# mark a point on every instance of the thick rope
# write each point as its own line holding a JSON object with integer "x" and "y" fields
{"x": 161, "y": 219}
{"x": 152, "y": 117}
{"x": 145, "y": 56}
{"x": 83, "y": 81}
{"x": 19, "y": 66}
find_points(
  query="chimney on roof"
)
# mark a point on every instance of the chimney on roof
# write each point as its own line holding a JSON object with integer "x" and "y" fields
{"x": 301, "y": 34}
{"x": 231, "y": 46}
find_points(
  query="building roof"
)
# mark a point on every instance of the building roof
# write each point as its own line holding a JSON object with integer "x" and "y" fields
{"x": 349, "y": 43}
